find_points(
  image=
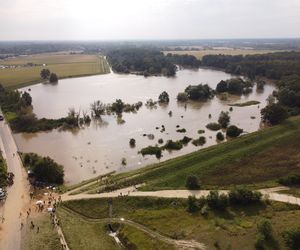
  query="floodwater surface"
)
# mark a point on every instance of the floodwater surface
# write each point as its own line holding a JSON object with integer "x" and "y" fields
{"x": 100, "y": 147}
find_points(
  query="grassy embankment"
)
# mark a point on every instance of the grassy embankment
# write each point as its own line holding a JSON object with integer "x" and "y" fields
{"x": 47, "y": 237}
{"x": 257, "y": 160}
{"x": 235, "y": 228}
{"x": 84, "y": 233}
{"x": 200, "y": 53}
{"x": 64, "y": 65}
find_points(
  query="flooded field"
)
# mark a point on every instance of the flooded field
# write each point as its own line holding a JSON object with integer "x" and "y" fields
{"x": 99, "y": 148}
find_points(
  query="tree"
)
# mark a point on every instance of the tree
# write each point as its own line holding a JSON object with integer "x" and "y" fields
{"x": 26, "y": 99}
{"x": 217, "y": 201}
{"x": 220, "y": 136}
{"x": 53, "y": 78}
{"x": 163, "y": 97}
{"x": 45, "y": 73}
{"x": 48, "y": 171}
{"x": 224, "y": 119}
{"x": 192, "y": 182}
{"x": 221, "y": 86}
{"x": 233, "y": 131}
{"x": 118, "y": 106}
{"x": 97, "y": 108}
{"x": 265, "y": 228}
{"x": 201, "y": 92}
{"x": 274, "y": 114}
{"x": 292, "y": 238}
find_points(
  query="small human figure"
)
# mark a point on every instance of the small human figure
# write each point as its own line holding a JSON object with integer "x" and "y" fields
{"x": 22, "y": 225}
{"x": 37, "y": 229}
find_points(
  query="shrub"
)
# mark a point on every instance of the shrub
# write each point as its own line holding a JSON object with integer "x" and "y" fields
{"x": 192, "y": 204}
{"x": 265, "y": 228}
{"x": 192, "y": 182}
{"x": 213, "y": 126}
{"x": 151, "y": 150}
{"x": 224, "y": 119}
{"x": 182, "y": 97}
{"x": 200, "y": 141}
{"x": 233, "y": 131}
{"x": 259, "y": 242}
{"x": 217, "y": 201}
{"x": 292, "y": 238}
{"x": 243, "y": 196}
{"x": 182, "y": 130}
{"x": 185, "y": 140}
{"x": 164, "y": 97}
{"x": 173, "y": 145}
{"x": 220, "y": 136}
{"x": 290, "y": 180}
{"x": 132, "y": 142}
{"x": 201, "y": 131}
{"x": 160, "y": 141}
{"x": 53, "y": 78}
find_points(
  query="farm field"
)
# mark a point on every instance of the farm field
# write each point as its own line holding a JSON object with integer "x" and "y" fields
{"x": 234, "y": 228}
{"x": 200, "y": 53}
{"x": 64, "y": 65}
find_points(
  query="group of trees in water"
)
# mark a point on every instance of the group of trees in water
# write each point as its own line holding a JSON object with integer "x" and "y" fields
{"x": 47, "y": 75}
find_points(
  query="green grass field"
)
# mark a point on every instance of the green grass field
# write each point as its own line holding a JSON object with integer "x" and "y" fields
{"x": 47, "y": 237}
{"x": 64, "y": 65}
{"x": 257, "y": 160}
{"x": 235, "y": 228}
{"x": 200, "y": 53}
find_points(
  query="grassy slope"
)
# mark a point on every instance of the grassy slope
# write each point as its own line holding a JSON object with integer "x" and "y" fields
{"x": 259, "y": 157}
{"x": 90, "y": 235}
{"x": 46, "y": 239}
{"x": 199, "y": 54}
{"x": 236, "y": 227}
{"x": 64, "y": 66}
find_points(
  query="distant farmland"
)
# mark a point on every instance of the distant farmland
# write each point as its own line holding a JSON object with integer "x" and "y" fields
{"x": 64, "y": 65}
{"x": 200, "y": 53}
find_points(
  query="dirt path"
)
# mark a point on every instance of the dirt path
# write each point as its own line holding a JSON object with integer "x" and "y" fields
{"x": 131, "y": 191}
{"x": 17, "y": 194}
{"x": 180, "y": 244}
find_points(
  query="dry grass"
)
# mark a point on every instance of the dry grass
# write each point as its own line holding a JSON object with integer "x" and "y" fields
{"x": 64, "y": 65}
{"x": 200, "y": 53}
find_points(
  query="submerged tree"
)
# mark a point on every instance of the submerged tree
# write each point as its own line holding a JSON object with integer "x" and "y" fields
{"x": 97, "y": 109}
{"x": 164, "y": 97}
{"x": 45, "y": 73}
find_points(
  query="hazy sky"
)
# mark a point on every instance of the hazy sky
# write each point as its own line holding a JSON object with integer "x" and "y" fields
{"x": 148, "y": 19}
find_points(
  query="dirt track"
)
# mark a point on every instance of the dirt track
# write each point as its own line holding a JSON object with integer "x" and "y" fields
{"x": 17, "y": 194}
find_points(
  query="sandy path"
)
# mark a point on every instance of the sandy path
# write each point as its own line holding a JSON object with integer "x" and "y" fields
{"x": 131, "y": 191}
{"x": 17, "y": 194}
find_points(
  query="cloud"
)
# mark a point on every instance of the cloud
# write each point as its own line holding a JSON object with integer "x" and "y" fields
{"x": 148, "y": 19}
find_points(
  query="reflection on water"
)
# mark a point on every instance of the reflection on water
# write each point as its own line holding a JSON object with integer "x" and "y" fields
{"x": 99, "y": 148}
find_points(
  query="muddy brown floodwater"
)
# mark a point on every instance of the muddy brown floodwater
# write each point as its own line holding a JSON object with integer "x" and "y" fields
{"x": 99, "y": 148}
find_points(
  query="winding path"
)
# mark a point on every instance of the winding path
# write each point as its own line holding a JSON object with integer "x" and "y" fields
{"x": 17, "y": 194}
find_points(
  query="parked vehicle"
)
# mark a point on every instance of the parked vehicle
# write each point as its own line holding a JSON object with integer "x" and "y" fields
{"x": 2, "y": 194}
{"x": 1, "y": 118}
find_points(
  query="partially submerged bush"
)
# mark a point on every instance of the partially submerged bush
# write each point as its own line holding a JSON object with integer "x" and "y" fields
{"x": 182, "y": 97}
{"x": 151, "y": 150}
{"x": 132, "y": 142}
{"x": 173, "y": 145}
{"x": 185, "y": 140}
{"x": 233, "y": 131}
{"x": 220, "y": 136}
{"x": 182, "y": 130}
{"x": 200, "y": 141}
{"x": 213, "y": 126}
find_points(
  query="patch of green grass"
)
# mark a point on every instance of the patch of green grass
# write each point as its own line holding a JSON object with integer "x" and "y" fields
{"x": 257, "y": 159}
{"x": 9, "y": 116}
{"x": 245, "y": 104}
{"x": 81, "y": 234}
{"x": 236, "y": 226}
{"x": 65, "y": 66}
{"x": 47, "y": 237}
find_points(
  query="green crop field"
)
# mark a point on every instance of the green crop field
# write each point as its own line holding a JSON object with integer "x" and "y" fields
{"x": 64, "y": 65}
{"x": 257, "y": 160}
{"x": 200, "y": 53}
{"x": 234, "y": 228}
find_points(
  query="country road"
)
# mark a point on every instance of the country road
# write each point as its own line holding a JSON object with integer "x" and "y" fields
{"x": 17, "y": 194}
{"x": 270, "y": 193}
